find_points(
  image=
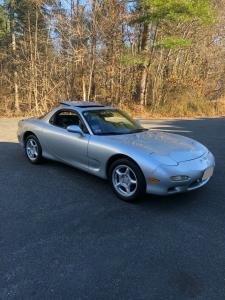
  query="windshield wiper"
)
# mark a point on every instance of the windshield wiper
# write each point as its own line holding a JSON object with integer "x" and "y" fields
{"x": 110, "y": 133}
{"x": 139, "y": 130}
{"x": 121, "y": 133}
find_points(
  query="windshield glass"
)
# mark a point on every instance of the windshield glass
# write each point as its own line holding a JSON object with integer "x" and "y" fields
{"x": 111, "y": 121}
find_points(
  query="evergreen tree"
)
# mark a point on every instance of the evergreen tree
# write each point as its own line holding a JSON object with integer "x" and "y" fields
{"x": 154, "y": 15}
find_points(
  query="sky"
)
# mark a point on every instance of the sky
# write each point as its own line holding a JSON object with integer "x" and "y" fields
{"x": 67, "y": 3}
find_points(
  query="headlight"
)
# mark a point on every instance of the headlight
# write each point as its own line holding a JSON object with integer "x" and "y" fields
{"x": 180, "y": 178}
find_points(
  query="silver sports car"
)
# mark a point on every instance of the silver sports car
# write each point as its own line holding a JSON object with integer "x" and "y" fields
{"x": 106, "y": 142}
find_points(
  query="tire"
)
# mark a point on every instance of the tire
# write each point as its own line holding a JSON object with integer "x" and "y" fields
{"x": 33, "y": 149}
{"x": 125, "y": 175}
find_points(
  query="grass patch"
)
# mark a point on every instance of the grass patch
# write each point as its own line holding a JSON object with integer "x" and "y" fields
{"x": 172, "y": 109}
{"x": 179, "y": 109}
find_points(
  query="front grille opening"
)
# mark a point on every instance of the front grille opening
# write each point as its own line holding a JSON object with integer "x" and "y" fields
{"x": 195, "y": 183}
{"x": 182, "y": 188}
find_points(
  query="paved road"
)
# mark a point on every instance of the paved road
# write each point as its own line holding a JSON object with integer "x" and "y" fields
{"x": 64, "y": 235}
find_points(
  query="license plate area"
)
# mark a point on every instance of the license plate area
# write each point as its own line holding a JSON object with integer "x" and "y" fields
{"x": 208, "y": 173}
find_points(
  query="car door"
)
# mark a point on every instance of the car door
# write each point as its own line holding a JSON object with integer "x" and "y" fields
{"x": 71, "y": 148}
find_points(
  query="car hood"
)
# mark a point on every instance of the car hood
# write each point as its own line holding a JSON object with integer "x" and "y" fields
{"x": 176, "y": 147}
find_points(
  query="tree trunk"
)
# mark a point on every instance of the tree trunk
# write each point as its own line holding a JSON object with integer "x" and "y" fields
{"x": 13, "y": 37}
{"x": 35, "y": 62}
{"x": 91, "y": 87}
{"x": 147, "y": 46}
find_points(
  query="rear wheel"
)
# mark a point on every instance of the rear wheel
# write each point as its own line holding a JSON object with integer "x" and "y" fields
{"x": 127, "y": 180}
{"x": 33, "y": 149}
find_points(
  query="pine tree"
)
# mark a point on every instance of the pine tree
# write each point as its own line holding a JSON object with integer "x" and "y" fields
{"x": 153, "y": 15}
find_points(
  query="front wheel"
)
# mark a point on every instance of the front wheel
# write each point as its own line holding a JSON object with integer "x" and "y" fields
{"x": 127, "y": 180}
{"x": 33, "y": 149}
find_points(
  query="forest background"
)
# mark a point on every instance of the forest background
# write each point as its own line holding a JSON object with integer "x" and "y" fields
{"x": 154, "y": 58}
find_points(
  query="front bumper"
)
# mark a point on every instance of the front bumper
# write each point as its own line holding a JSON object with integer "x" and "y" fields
{"x": 194, "y": 169}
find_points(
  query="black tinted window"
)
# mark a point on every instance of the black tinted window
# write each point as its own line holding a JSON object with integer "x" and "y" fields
{"x": 64, "y": 119}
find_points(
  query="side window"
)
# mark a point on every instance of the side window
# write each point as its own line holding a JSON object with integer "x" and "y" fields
{"x": 66, "y": 118}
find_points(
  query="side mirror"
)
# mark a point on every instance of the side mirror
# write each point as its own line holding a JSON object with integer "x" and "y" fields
{"x": 75, "y": 129}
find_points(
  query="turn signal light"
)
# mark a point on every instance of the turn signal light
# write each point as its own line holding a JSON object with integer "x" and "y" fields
{"x": 154, "y": 180}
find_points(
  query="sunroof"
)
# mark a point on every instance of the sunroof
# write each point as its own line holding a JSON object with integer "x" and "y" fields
{"x": 81, "y": 104}
{"x": 86, "y": 106}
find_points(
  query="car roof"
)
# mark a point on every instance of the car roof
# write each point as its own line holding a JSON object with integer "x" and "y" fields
{"x": 81, "y": 104}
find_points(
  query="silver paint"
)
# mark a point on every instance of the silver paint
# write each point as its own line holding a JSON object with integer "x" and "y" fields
{"x": 159, "y": 155}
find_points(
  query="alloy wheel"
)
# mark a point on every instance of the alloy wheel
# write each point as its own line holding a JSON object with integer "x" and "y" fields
{"x": 32, "y": 149}
{"x": 124, "y": 180}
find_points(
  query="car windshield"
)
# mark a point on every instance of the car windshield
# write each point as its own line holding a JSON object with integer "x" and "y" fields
{"x": 111, "y": 122}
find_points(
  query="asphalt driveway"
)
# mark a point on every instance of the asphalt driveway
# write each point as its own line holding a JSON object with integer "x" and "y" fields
{"x": 64, "y": 235}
